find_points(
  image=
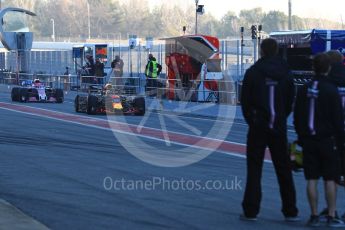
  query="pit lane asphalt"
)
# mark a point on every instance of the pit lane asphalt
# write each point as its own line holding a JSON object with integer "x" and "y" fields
{"x": 54, "y": 171}
{"x": 181, "y": 122}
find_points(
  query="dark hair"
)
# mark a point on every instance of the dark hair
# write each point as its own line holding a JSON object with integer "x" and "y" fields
{"x": 269, "y": 47}
{"x": 321, "y": 63}
{"x": 335, "y": 56}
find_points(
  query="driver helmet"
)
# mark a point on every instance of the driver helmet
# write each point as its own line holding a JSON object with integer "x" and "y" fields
{"x": 36, "y": 83}
{"x": 108, "y": 87}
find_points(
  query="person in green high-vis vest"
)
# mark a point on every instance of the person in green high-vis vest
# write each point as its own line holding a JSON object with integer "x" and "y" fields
{"x": 152, "y": 71}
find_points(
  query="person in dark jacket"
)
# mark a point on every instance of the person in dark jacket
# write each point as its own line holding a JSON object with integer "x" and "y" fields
{"x": 90, "y": 65}
{"x": 319, "y": 124}
{"x": 89, "y": 68}
{"x": 337, "y": 76}
{"x": 117, "y": 66}
{"x": 267, "y": 98}
{"x": 337, "y": 73}
{"x": 99, "y": 71}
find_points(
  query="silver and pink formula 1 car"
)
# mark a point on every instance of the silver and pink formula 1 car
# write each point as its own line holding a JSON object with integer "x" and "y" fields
{"x": 36, "y": 91}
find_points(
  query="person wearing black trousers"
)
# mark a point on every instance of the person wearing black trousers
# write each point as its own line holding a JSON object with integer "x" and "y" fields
{"x": 266, "y": 100}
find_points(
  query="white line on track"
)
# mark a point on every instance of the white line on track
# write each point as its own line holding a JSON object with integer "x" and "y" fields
{"x": 198, "y": 118}
{"x": 117, "y": 122}
{"x": 131, "y": 134}
{"x": 292, "y": 131}
{"x": 128, "y": 133}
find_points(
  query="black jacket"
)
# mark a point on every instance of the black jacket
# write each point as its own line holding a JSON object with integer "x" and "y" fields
{"x": 99, "y": 69}
{"x": 255, "y": 96}
{"x": 328, "y": 118}
{"x": 337, "y": 75}
{"x": 90, "y": 66}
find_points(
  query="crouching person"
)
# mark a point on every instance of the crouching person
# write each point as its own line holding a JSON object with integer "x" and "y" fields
{"x": 319, "y": 124}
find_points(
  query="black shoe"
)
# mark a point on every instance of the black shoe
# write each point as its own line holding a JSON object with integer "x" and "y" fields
{"x": 323, "y": 216}
{"x": 292, "y": 218}
{"x": 248, "y": 218}
{"x": 335, "y": 222}
{"x": 313, "y": 221}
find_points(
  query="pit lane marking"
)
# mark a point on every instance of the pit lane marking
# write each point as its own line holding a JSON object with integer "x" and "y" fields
{"x": 226, "y": 147}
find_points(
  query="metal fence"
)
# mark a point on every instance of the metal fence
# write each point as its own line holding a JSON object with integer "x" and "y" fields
{"x": 37, "y": 62}
{"x": 226, "y": 92}
{"x": 237, "y": 57}
{"x": 55, "y": 61}
{"x": 51, "y": 65}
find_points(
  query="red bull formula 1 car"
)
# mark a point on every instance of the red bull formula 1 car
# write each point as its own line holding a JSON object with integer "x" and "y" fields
{"x": 101, "y": 100}
{"x": 36, "y": 91}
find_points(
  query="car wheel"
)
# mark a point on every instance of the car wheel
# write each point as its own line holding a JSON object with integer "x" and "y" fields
{"x": 23, "y": 96}
{"x": 91, "y": 105}
{"x": 76, "y": 104}
{"x": 59, "y": 96}
{"x": 139, "y": 105}
{"x": 15, "y": 94}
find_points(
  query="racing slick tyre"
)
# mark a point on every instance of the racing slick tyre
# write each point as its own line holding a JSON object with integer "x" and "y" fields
{"x": 76, "y": 104}
{"x": 59, "y": 95}
{"x": 108, "y": 103}
{"x": 139, "y": 106}
{"x": 33, "y": 93}
{"x": 23, "y": 95}
{"x": 15, "y": 94}
{"x": 91, "y": 105}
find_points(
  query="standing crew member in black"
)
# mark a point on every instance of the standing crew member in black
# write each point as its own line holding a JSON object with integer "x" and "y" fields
{"x": 267, "y": 98}
{"x": 319, "y": 124}
{"x": 337, "y": 76}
